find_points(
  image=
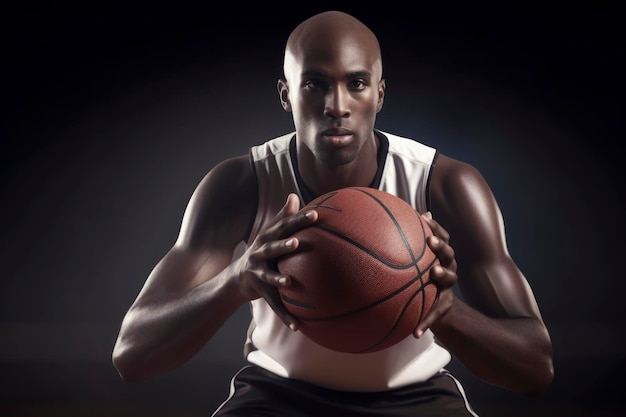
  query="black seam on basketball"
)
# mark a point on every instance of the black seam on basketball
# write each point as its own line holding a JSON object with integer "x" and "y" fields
{"x": 373, "y": 254}
{"x": 317, "y": 207}
{"x": 395, "y": 221}
{"x": 320, "y": 204}
{"x": 400, "y": 230}
{"x": 399, "y": 319}
{"x": 407, "y": 245}
{"x": 297, "y": 303}
{"x": 380, "y": 300}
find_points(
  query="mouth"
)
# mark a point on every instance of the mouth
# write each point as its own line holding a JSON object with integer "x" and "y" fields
{"x": 337, "y": 136}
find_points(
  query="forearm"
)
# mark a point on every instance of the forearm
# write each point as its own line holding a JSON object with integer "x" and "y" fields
{"x": 160, "y": 333}
{"x": 513, "y": 353}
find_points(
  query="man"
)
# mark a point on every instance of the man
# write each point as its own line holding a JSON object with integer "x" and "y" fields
{"x": 333, "y": 87}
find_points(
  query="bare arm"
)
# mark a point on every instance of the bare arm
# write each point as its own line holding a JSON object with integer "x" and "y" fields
{"x": 195, "y": 288}
{"x": 498, "y": 332}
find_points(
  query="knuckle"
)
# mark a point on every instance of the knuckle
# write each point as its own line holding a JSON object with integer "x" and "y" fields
{"x": 266, "y": 249}
{"x": 265, "y": 275}
{"x": 267, "y": 233}
{"x": 253, "y": 258}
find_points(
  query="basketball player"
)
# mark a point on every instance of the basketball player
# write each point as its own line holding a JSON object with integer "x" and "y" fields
{"x": 333, "y": 88}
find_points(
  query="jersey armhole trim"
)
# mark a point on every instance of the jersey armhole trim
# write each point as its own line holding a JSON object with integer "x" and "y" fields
{"x": 428, "y": 181}
{"x": 256, "y": 196}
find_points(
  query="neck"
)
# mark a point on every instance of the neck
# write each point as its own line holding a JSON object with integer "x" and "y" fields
{"x": 321, "y": 178}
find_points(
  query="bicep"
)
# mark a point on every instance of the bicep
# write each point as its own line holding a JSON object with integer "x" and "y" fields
{"x": 221, "y": 208}
{"x": 215, "y": 222}
{"x": 489, "y": 279}
{"x": 497, "y": 287}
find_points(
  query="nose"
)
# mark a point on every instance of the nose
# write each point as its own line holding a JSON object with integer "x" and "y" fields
{"x": 337, "y": 103}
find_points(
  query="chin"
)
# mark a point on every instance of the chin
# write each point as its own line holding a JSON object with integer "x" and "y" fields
{"x": 339, "y": 158}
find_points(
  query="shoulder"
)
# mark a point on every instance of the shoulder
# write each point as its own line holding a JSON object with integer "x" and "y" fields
{"x": 452, "y": 175}
{"x": 226, "y": 178}
{"x": 272, "y": 147}
{"x": 226, "y": 195}
{"x": 463, "y": 203}
{"x": 408, "y": 146}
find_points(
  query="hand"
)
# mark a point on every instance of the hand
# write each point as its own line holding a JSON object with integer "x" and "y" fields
{"x": 443, "y": 275}
{"x": 257, "y": 266}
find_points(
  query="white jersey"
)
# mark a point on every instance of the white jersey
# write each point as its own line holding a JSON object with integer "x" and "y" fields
{"x": 404, "y": 168}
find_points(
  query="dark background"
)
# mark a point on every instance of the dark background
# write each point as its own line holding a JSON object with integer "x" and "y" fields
{"x": 113, "y": 113}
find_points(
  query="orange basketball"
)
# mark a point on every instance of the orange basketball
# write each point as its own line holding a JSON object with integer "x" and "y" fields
{"x": 360, "y": 278}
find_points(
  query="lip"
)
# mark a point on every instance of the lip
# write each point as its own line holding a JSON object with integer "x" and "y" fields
{"x": 337, "y": 136}
{"x": 337, "y": 131}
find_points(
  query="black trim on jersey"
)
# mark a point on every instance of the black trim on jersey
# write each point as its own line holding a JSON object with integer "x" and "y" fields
{"x": 430, "y": 176}
{"x": 256, "y": 196}
{"x": 308, "y": 195}
{"x": 383, "y": 150}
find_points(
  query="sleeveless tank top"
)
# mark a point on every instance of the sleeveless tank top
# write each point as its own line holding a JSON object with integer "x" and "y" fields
{"x": 404, "y": 167}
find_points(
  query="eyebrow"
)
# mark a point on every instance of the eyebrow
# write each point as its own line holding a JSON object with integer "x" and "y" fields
{"x": 354, "y": 74}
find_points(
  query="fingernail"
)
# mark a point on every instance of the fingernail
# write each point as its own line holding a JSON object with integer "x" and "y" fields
{"x": 292, "y": 327}
{"x": 282, "y": 280}
{"x": 289, "y": 243}
{"x": 308, "y": 214}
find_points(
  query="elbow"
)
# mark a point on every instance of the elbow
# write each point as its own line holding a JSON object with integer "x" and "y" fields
{"x": 539, "y": 387}
{"x": 126, "y": 374}
{"x": 542, "y": 377}
{"x": 544, "y": 381}
{"x": 126, "y": 367}
{"x": 541, "y": 367}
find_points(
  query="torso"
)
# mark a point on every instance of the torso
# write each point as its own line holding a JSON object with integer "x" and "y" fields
{"x": 404, "y": 169}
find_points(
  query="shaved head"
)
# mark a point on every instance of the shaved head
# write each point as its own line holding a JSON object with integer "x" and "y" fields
{"x": 315, "y": 36}
{"x": 333, "y": 87}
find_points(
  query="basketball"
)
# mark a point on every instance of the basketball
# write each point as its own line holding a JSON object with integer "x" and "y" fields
{"x": 360, "y": 277}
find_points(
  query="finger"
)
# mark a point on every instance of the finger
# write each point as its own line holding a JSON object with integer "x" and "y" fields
{"x": 442, "y": 277}
{"x": 443, "y": 251}
{"x": 292, "y": 205}
{"x": 425, "y": 325}
{"x": 436, "y": 228}
{"x": 287, "y": 226}
{"x": 273, "y": 249}
{"x": 274, "y": 300}
{"x": 440, "y": 307}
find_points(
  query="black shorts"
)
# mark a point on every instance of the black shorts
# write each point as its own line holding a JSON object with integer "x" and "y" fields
{"x": 256, "y": 392}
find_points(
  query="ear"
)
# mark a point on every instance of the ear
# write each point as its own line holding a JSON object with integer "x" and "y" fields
{"x": 381, "y": 95}
{"x": 283, "y": 94}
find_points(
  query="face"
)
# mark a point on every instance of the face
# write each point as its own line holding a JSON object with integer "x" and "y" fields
{"x": 334, "y": 89}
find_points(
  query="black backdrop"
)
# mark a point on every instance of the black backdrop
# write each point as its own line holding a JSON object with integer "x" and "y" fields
{"x": 112, "y": 114}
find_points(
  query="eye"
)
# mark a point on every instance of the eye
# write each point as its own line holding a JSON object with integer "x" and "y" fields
{"x": 358, "y": 84}
{"x": 314, "y": 84}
